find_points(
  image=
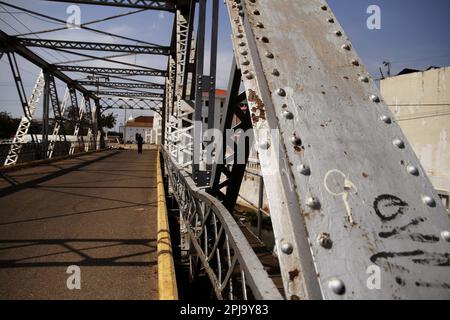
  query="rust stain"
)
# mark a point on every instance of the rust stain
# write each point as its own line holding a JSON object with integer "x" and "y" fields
{"x": 259, "y": 112}
{"x": 293, "y": 274}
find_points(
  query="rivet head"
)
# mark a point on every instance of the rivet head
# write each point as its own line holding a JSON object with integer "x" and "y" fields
{"x": 260, "y": 25}
{"x": 325, "y": 240}
{"x": 338, "y": 33}
{"x": 375, "y": 98}
{"x": 413, "y": 170}
{"x": 313, "y": 203}
{"x": 330, "y": 20}
{"x": 304, "y": 169}
{"x": 265, "y": 39}
{"x": 275, "y": 72}
{"x": 386, "y": 119}
{"x": 240, "y": 36}
{"x": 288, "y": 115}
{"x": 281, "y": 92}
{"x": 269, "y": 55}
{"x": 445, "y": 235}
{"x": 287, "y": 248}
{"x": 363, "y": 79}
{"x": 399, "y": 143}
{"x": 346, "y": 47}
{"x": 337, "y": 286}
{"x": 242, "y": 44}
{"x": 244, "y": 52}
{"x": 355, "y": 62}
{"x": 324, "y": 8}
{"x": 296, "y": 141}
{"x": 429, "y": 201}
{"x": 241, "y": 13}
{"x": 245, "y": 62}
{"x": 249, "y": 76}
{"x": 264, "y": 145}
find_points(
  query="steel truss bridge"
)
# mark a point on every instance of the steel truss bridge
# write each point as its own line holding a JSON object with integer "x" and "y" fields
{"x": 346, "y": 192}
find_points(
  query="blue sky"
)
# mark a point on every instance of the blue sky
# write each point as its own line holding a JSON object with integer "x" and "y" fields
{"x": 414, "y": 34}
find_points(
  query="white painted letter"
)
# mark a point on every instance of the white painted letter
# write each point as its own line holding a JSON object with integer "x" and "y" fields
{"x": 374, "y": 20}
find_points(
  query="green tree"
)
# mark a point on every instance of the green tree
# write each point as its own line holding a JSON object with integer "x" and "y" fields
{"x": 8, "y": 125}
{"x": 106, "y": 121}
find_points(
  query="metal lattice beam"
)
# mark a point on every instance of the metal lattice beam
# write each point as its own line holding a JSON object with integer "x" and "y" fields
{"x": 11, "y": 44}
{"x": 93, "y": 46}
{"x": 123, "y": 85}
{"x": 130, "y": 94}
{"x": 165, "y": 5}
{"x": 99, "y": 70}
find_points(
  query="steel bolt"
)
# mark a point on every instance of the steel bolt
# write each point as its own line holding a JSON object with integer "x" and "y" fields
{"x": 249, "y": 76}
{"x": 330, "y": 20}
{"x": 288, "y": 115}
{"x": 399, "y": 143}
{"x": 413, "y": 170}
{"x": 313, "y": 203}
{"x": 324, "y": 8}
{"x": 287, "y": 248}
{"x": 429, "y": 201}
{"x": 304, "y": 169}
{"x": 281, "y": 92}
{"x": 346, "y": 47}
{"x": 296, "y": 141}
{"x": 375, "y": 98}
{"x": 338, "y": 33}
{"x": 269, "y": 55}
{"x": 363, "y": 79}
{"x": 275, "y": 72}
{"x": 445, "y": 235}
{"x": 245, "y": 62}
{"x": 337, "y": 286}
{"x": 260, "y": 25}
{"x": 325, "y": 240}
{"x": 355, "y": 62}
{"x": 385, "y": 119}
{"x": 265, "y": 145}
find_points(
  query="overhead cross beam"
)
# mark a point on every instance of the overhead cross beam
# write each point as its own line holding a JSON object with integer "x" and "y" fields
{"x": 165, "y": 5}
{"x": 11, "y": 44}
{"x": 93, "y": 46}
{"x": 123, "y": 85}
{"x": 130, "y": 94}
{"x": 129, "y": 72}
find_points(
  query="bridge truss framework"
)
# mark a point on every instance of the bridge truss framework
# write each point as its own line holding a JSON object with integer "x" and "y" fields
{"x": 348, "y": 197}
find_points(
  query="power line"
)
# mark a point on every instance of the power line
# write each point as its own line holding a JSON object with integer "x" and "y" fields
{"x": 23, "y": 24}
{"x": 83, "y": 27}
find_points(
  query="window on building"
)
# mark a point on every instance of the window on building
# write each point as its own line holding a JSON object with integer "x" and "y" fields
{"x": 445, "y": 200}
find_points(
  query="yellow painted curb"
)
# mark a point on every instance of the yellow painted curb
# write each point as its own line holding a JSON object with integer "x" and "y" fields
{"x": 167, "y": 283}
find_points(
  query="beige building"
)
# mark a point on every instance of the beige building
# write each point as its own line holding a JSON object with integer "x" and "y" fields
{"x": 421, "y": 104}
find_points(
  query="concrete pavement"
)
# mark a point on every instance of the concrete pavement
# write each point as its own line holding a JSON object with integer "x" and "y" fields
{"x": 97, "y": 212}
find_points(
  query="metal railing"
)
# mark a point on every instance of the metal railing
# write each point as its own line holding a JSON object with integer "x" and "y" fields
{"x": 217, "y": 244}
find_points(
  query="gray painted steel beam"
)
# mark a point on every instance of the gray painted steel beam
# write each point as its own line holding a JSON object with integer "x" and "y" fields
{"x": 165, "y": 5}
{"x": 347, "y": 195}
{"x": 130, "y": 72}
{"x": 93, "y": 46}
{"x": 123, "y": 85}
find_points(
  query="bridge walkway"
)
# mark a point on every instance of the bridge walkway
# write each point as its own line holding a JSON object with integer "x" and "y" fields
{"x": 96, "y": 211}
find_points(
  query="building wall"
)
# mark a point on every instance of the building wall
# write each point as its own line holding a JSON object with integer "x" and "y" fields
{"x": 421, "y": 104}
